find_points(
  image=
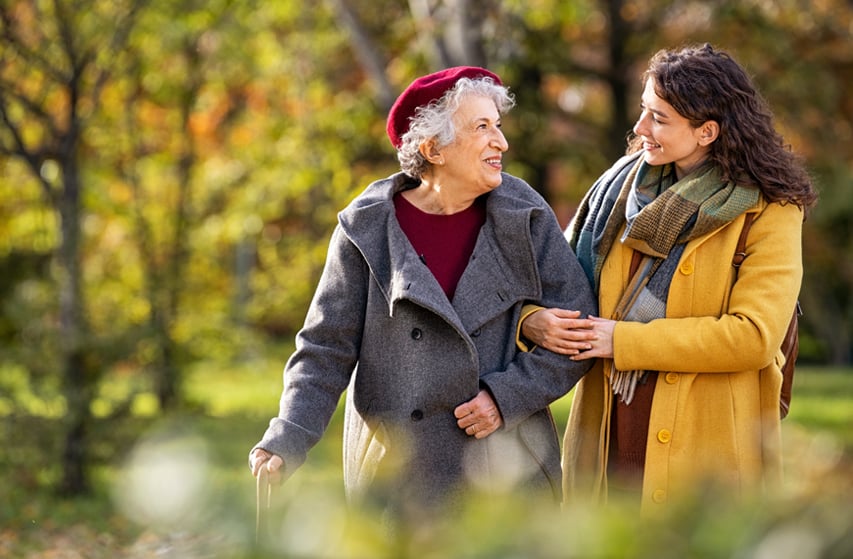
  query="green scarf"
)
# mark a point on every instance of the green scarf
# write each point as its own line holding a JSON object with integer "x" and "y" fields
{"x": 665, "y": 213}
{"x": 684, "y": 210}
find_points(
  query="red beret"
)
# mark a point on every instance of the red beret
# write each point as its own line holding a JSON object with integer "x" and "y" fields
{"x": 422, "y": 92}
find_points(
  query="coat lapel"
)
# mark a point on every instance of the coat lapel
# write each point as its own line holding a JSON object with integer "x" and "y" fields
{"x": 490, "y": 284}
{"x": 399, "y": 273}
{"x": 501, "y": 271}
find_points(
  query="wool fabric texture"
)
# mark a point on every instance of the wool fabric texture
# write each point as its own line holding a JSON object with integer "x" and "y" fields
{"x": 683, "y": 210}
{"x": 424, "y": 91}
{"x": 661, "y": 214}
{"x": 719, "y": 395}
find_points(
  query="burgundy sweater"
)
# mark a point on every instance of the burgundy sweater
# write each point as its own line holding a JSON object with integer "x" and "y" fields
{"x": 444, "y": 242}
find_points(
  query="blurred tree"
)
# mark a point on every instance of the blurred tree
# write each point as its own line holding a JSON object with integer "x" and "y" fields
{"x": 172, "y": 171}
{"x": 801, "y": 57}
{"x": 316, "y": 142}
{"x": 55, "y": 60}
{"x": 575, "y": 69}
{"x": 177, "y": 100}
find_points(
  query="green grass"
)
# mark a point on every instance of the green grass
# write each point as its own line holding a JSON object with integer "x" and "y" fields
{"x": 822, "y": 402}
{"x": 180, "y": 484}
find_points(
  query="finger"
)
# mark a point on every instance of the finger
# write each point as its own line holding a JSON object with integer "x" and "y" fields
{"x": 558, "y": 349}
{"x": 583, "y": 356}
{"x": 565, "y": 313}
{"x": 483, "y": 434}
{"x": 574, "y": 324}
{"x": 468, "y": 420}
{"x": 565, "y": 339}
{"x": 576, "y": 340}
{"x": 581, "y": 334}
{"x": 575, "y": 348}
{"x": 564, "y": 347}
{"x": 274, "y": 463}
{"x": 462, "y": 410}
{"x": 259, "y": 458}
{"x": 472, "y": 406}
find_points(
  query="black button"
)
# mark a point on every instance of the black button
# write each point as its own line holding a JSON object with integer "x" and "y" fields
{"x": 417, "y": 334}
{"x": 475, "y": 333}
{"x": 417, "y": 415}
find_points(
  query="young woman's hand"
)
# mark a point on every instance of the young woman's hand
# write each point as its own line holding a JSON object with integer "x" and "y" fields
{"x": 602, "y": 344}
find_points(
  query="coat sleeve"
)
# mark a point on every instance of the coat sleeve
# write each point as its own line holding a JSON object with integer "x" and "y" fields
{"x": 327, "y": 349}
{"x": 748, "y": 332}
{"x": 534, "y": 379}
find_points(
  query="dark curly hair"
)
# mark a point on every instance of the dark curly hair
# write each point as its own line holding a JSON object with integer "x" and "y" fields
{"x": 704, "y": 84}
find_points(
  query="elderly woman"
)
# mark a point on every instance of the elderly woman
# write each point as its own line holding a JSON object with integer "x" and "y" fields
{"x": 416, "y": 315}
{"x": 685, "y": 392}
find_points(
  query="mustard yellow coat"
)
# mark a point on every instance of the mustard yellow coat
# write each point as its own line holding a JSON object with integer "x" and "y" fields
{"x": 715, "y": 412}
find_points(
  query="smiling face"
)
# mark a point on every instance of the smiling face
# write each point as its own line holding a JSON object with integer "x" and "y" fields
{"x": 668, "y": 137}
{"x": 473, "y": 160}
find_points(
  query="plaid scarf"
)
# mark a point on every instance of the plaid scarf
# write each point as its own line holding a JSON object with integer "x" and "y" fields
{"x": 661, "y": 214}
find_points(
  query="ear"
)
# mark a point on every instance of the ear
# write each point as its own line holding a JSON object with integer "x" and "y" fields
{"x": 708, "y": 132}
{"x": 429, "y": 150}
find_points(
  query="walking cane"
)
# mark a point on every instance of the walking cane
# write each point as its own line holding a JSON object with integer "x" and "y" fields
{"x": 263, "y": 495}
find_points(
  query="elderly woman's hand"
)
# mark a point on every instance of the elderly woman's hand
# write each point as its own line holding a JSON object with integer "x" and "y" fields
{"x": 559, "y": 330}
{"x": 260, "y": 458}
{"x": 479, "y": 417}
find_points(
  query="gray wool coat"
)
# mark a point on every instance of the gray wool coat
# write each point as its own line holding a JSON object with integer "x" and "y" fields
{"x": 381, "y": 328}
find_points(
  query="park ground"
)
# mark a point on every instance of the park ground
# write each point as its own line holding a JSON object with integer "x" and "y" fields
{"x": 177, "y": 486}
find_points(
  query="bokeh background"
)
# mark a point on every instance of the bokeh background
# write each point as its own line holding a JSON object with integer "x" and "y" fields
{"x": 170, "y": 173}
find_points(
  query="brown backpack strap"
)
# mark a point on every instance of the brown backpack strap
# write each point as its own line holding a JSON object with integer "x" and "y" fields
{"x": 791, "y": 343}
{"x": 740, "y": 251}
{"x": 636, "y": 257}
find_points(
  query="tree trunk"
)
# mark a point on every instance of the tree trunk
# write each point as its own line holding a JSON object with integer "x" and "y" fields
{"x": 79, "y": 373}
{"x": 618, "y": 78}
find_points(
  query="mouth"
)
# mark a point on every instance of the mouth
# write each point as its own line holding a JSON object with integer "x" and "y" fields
{"x": 494, "y": 162}
{"x": 647, "y": 145}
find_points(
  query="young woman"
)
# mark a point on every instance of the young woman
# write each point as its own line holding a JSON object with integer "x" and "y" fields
{"x": 686, "y": 390}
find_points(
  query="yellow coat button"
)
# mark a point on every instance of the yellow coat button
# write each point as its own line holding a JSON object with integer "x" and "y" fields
{"x": 686, "y": 268}
{"x": 664, "y": 436}
{"x": 659, "y": 496}
{"x": 671, "y": 378}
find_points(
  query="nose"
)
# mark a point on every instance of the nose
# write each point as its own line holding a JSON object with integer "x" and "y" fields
{"x": 641, "y": 126}
{"x": 499, "y": 140}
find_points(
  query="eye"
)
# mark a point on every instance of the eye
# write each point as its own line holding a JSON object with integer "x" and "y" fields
{"x": 654, "y": 117}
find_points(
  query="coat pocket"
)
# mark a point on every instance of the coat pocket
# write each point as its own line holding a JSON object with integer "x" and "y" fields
{"x": 366, "y": 449}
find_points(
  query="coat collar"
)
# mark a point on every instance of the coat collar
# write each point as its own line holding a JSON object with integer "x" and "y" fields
{"x": 502, "y": 270}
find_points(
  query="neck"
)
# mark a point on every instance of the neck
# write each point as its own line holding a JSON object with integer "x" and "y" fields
{"x": 683, "y": 171}
{"x": 434, "y": 198}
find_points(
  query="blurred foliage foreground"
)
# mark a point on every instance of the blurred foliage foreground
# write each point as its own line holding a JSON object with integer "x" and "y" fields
{"x": 178, "y": 487}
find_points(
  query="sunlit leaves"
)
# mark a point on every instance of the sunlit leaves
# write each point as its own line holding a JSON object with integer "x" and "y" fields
{"x": 226, "y": 135}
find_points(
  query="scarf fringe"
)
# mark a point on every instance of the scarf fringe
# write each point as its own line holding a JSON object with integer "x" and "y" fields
{"x": 671, "y": 213}
{"x": 624, "y": 384}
